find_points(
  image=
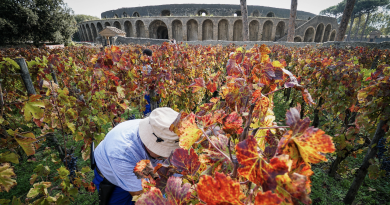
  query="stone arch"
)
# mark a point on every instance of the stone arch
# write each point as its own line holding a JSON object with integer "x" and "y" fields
{"x": 84, "y": 33}
{"x": 106, "y": 24}
{"x": 117, "y": 25}
{"x": 201, "y": 11}
{"x": 254, "y": 27}
{"x": 125, "y": 14}
{"x": 99, "y": 26}
{"x": 238, "y": 13}
{"x": 128, "y": 29}
{"x": 237, "y": 30}
{"x": 207, "y": 30}
{"x": 89, "y": 33}
{"x": 332, "y": 35}
{"x": 158, "y": 30}
{"x": 267, "y": 31}
{"x": 223, "y": 30}
{"x": 328, "y": 28}
{"x": 140, "y": 28}
{"x": 256, "y": 13}
{"x": 192, "y": 30}
{"x": 309, "y": 35}
{"x": 116, "y": 16}
{"x": 270, "y": 14}
{"x": 94, "y": 33}
{"x": 165, "y": 13}
{"x": 136, "y": 14}
{"x": 177, "y": 30}
{"x": 280, "y": 30}
{"x": 319, "y": 31}
{"x": 297, "y": 39}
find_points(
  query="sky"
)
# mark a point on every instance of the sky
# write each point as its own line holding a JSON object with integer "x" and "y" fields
{"x": 96, "y": 7}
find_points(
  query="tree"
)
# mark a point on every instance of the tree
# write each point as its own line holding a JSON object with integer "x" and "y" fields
{"x": 344, "y": 20}
{"x": 82, "y": 17}
{"x": 291, "y": 22}
{"x": 245, "y": 23}
{"x": 37, "y": 21}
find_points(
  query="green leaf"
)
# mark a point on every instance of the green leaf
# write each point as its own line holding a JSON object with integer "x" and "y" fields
{"x": 4, "y": 201}
{"x": 73, "y": 191}
{"x": 33, "y": 178}
{"x": 120, "y": 91}
{"x": 25, "y": 140}
{"x": 71, "y": 127}
{"x": 42, "y": 170}
{"x": 63, "y": 172}
{"x": 6, "y": 173}
{"x": 31, "y": 63}
{"x": 85, "y": 170}
{"x": 9, "y": 157}
{"x": 61, "y": 199}
{"x": 16, "y": 201}
{"x": 33, "y": 193}
{"x": 12, "y": 62}
{"x": 33, "y": 109}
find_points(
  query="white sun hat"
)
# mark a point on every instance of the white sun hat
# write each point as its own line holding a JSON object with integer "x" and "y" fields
{"x": 155, "y": 134}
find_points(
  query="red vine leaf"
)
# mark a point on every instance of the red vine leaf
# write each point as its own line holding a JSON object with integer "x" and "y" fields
{"x": 219, "y": 190}
{"x": 256, "y": 169}
{"x": 303, "y": 142}
{"x": 232, "y": 123}
{"x": 152, "y": 197}
{"x": 188, "y": 164}
{"x": 144, "y": 169}
{"x": 267, "y": 198}
{"x": 177, "y": 193}
{"x": 197, "y": 85}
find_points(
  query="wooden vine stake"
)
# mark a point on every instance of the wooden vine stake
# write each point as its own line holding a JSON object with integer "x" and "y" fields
{"x": 25, "y": 76}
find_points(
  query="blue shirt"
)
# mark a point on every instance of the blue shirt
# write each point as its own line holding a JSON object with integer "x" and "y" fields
{"x": 117, "y": 155}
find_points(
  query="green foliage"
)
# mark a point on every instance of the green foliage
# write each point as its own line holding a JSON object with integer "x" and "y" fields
{"x": 37, "y": 21}
{"x": 82, "y": 17}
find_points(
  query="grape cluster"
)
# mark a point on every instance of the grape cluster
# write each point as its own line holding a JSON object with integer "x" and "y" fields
{"x": 71, "y": 163}
{"x": 382, "y": 149}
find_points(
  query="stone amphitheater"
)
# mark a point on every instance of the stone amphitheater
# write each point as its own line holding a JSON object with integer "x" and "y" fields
{"x": 201, "y": 22}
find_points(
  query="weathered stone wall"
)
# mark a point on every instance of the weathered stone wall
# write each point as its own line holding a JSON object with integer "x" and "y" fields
{"x": 192, "y": 28}
{"x": 198, "y": 9}
{"x": 143, "y": 41}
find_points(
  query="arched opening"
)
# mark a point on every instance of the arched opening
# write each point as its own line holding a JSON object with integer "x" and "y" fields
{"x": 106, "y": 24}
{"x": 267, "y": 31}
{"x": 237, "y": 31}
{"x": 332, "y": 35}
{"x": 320, "y": 30}
{"x": 165, "y": 13}
{"x": 85, "y": 33}
{"x": 207, "y": 30}
{"x": 254, "y": 30}
{"x": 270, "y": 14}
{"x": 202, "y": 12}
{"x": 280, "y": 30}
{"x": 89, "y": 33}
{"x": 129, "y": 29}
{"x": 297, "y": 39}
{"x": 177, "y": 30}
{"x": 140, "y": 28}
{"x": 309, "y": 35}
{"x": 115, "y": 16}
{"x": 223, "y": 30}
{"x": 117, "y": 25}
{"x": 192, "y": 30}
{"x": 256, "y": 13}
{"x": 125, "y": 15}
{"x": 158, "y": 30}
{"x": 94, "y": 33}
{"x": 99, "y": 27}
{"x": 327, "y": 33}
{"x": 136, "y": 14}
{"x": 237, "y": 13}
